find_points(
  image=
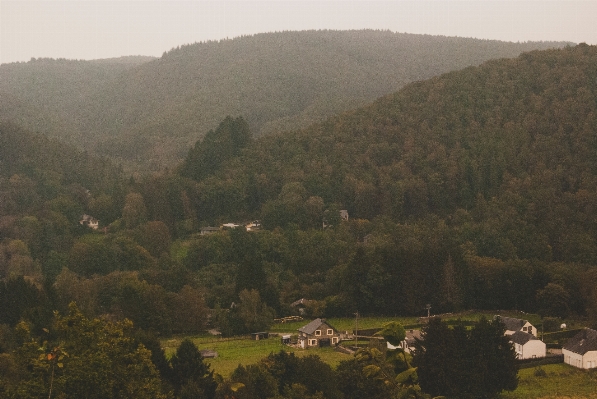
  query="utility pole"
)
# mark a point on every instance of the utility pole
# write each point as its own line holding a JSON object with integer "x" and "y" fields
{"x": 356, "y": 330}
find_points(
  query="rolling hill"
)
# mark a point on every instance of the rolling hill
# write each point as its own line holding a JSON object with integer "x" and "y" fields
{"x": 505, "y": 152}
{"x": 147, "y": 113}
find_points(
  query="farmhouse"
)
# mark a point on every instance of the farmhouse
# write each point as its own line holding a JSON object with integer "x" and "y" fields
{"x": 581, "y": 350}
{"x": 512, "y": 325}
{"x": 317, "y": 333}
{"x": 527, "y": 346}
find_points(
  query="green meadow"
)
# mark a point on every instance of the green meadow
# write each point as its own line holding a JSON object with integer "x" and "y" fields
{"x": 245, "y": 351}
{"x": 560, "y": 381}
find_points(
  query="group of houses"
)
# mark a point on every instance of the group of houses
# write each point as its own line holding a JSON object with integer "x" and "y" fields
{"x": 579, "y": 351}
{"x": 251, "y": 226}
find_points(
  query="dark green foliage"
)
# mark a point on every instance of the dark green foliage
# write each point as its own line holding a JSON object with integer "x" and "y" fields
{"x": 191, "y": 377}
{"x": 479, "y": 363}
{"x": 309, "y": 371}
{"x": 285, "y": 375}
{"x": 21, "y": 299}
{"x": 354, "y": 384}
{"x": 257, "y": 382}
{"x": 217, "y": 147}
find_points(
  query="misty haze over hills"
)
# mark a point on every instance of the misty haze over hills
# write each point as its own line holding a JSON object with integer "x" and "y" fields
{"x": 147, "y": 113}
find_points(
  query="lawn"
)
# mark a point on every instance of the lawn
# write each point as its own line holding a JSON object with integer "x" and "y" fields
{"x": 232, "y": 352}
{"x": 345, "y": 323}
{"x": 561, "y": 381}
{"x": 235, "y": 351}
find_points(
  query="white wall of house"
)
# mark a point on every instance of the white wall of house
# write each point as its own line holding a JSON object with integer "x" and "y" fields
{"x": 588, "y": 361}
{"x": 529, "y": 328}
{"x": 531, "y": 349}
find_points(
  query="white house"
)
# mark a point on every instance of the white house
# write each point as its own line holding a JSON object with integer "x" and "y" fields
{"x": 408, "y": 344}
{"x": 527, "y": 346}
{"x": 89, "y": 221}
{"x": 512, "y": 325}
{"x": 317, "y": 333}
{"x": 581, "y": 350}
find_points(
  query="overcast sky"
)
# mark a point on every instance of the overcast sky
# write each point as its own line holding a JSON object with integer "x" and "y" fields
{"x": 78, "y": 29}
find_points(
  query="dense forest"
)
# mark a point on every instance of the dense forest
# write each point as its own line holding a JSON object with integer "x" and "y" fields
{"x": 146, "y": 113}
{"x": 475, "y": 189}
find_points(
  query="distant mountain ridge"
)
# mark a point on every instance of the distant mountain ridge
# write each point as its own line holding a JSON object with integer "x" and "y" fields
{"x": 147, "y": 114}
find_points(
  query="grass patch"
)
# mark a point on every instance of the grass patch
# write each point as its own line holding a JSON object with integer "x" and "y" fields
{"x": 242, "y": 350}
{"x": 232, "y": 352}
{"x": 560, "y": 381}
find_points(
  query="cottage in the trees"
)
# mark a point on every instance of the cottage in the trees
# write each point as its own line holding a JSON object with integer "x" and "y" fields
{"x": 89, "y": 221}
{"x": 512, "y": 325}
{"x": 527, "y": 346}
{"x": 581, "y": 350}
{"x": 317, "y": 333}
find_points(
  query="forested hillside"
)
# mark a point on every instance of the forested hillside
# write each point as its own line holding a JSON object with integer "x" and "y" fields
{"x": 147, "y": 114}
{"x": 50, "y": 96}
{"x": 486, "y": 173}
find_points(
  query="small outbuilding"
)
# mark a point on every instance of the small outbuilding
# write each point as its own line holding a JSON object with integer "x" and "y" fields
{"x": 527, "y": 346}
{"x": 581, "y": 350}
{"x": 260, "y": 335}
{"x": 286, "y": 339}
{"x": 208, "y": 230}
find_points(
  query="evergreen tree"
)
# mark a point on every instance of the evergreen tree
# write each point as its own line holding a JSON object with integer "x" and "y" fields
{"x": 191, "y": 377}
{"x": 455, "y": 363}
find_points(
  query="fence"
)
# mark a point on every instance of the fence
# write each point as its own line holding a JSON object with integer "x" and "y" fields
{"x": 549, "y": 359}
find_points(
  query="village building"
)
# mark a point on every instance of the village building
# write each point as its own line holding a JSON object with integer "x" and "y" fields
{"x": 581, "y": 350}
{"x": 408, "y": 344}
{"x": 317, "y": 333}
{"x": 89, "y": 221}
{"x": 253, "y": 226}
{"x": 208, "y": 230}
{"x": 527, "y": 346}
{"x": 513, "y": 324}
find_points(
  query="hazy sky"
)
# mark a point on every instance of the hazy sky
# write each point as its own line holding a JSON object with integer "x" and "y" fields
{"x": 79, "y": 29}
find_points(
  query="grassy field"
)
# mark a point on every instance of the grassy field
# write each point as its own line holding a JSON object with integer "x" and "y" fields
{"x": 232, "y": 352}
{"x": 343, "y": 324}
{"x": 242, "y": 350}
{"x": 561, "y": 381}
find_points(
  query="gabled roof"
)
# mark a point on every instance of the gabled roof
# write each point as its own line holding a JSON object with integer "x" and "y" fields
{"x": 511, "y": 323}
{"x": 583, "y": 342}
{"x": 314, "y": 325}
{"x": 301, "y": 301}
{"x": 412, "y": 335}
{"x": 521, "y": 337}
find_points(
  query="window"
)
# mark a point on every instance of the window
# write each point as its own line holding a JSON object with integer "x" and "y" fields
{"x": 334, "y": 340}
{"x": 317, "y": 333}
{"x": 312, "y": 342}
{"x": 330, "y": 331}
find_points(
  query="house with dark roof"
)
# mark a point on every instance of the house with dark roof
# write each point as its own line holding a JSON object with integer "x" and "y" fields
{"x": 581, "y": 350}
{"x": 512, "y": 325}
{"x": 408, "y": 344}
{"x": 317, "y": 333}
{"x": 527, "y": 346}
